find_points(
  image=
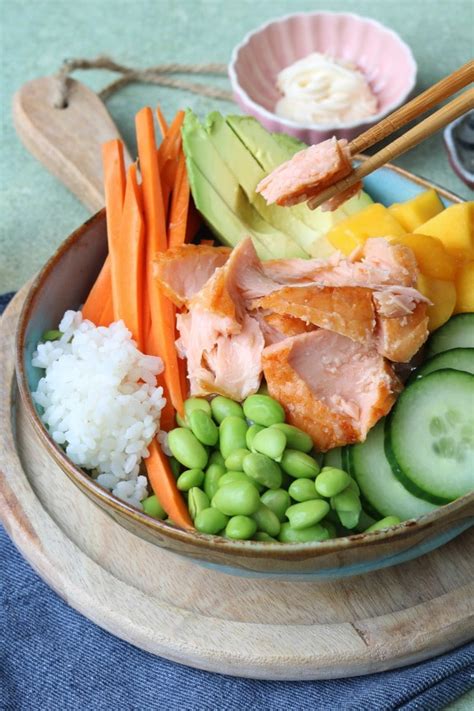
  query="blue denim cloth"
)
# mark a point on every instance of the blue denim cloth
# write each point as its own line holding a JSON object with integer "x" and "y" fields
{"x": 53, "y": 658}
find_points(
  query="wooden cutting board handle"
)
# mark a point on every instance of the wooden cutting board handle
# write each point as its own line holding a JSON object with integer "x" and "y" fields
{"x": 66, "y": 141}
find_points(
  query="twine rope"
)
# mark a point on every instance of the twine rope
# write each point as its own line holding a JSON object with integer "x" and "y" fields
{"x": 159, "y": 75}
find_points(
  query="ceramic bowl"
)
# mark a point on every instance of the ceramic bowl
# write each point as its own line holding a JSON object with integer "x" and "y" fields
{"x": 385, "y": 60}
{"x": 63, "y": 284}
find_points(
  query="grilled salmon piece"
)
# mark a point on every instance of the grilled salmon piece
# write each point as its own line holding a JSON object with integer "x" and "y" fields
{"x": 276, "y": 327}
{"x": 345, "y": 310}
{"x": 330, "y": 386}
{"x": 183, "y": 270}
{"x": 307, "y": 173}
{"x": 398, "y": 339}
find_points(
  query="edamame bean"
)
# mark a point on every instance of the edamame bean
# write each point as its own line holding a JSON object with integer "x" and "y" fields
{"x": 181, "y": 421}
{"x": 303, "y": 490}
{"x": 277, "y": 500}
{"x": 237, "y": 498}
{"x": 210, "y": 521}
{"x": 271, "y": 442}
{"x": 211, "y": 479}
{"x": 222, "y": 407}
{"x": 331, "y": 481}
{"x": 267, "y": 520}
{"x": 240, "y": 527}
{"x": 232, "y": 431}
{"x": 234, "y": 462}
{"x": 305, "y": 535}
{"x": 353, "y": 486}
{"x": 187, "y": 449}
{"x": 348, "y": 507}
{"x": 196, "y": 403}
{"x": 263, "y": 469}
{"x": 190, "y": 478}
{"x": 252, "y": 432}
{"x": 233, "y": 476}
{"x": 299, "y": 464}
{"x": 307, "y": 513}
{"x": 198, "y": 500}
{"x": 203, "y": 427}
{"x": 152, "y": 507}
{"x": 383, "y": 523}
{"x": 349, "y": 519}
{"x": 175, "y": 467}
{"x": 52, "y": 335}
{"x": 264, "y": 537}
{"x": 295, "y": 438}
{"x": 216, "y": 457}
{"x": 263, "y": 410}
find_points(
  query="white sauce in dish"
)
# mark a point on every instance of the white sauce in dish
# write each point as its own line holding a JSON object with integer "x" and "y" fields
{"x": 321, "y": 90}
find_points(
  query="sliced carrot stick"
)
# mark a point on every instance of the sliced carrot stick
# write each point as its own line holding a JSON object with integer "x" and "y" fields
{"x": 162, "y": 123}
{"x": 98, "y": 307}
{"x": 168, "y": 154}
{"x": 179, "y": 206}
{"x": 162, "y": 313}
{"x": 164, "y": 486}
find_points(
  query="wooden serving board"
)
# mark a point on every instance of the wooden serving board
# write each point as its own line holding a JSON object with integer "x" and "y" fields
{"x": 166, "y": 605}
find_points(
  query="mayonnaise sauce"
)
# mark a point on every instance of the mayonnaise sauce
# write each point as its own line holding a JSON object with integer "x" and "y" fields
{"x": 321, "y": 90}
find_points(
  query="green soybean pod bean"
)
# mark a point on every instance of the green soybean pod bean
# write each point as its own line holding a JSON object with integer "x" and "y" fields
{"x": 331, "y": 481}
{"x": 152, "y": 507}
{"x": 210, "y": 521}
{"x": 52, "y": 335}
{"x": 264, "y": 537}
{"x": 181, "y": 421}
{"x": 187, "y": 449}
{"x": 237, "y": 498}
{"x": 383, "y": 523}
{"x": 216, "y": 457}
{"x": 190, "y": 478}
{"x": 263, "y": 470}
{"x": 233, "y": 476}
{"x": 203, "y": 427}
{"x": 348, "y": 507}
{"x": 240, "y": 528}
{"x": 252, "y": 432}
{"x": 263, "y": 410}
{"x": 222, "y": 407}
{"x": 299, "y": 464}
{"x": 307, "y": 513}
{"x": 291, "y": 535}
{"x": 278, "y": 500}
{"x": 175, "y": 467}
{"x": 349, "y": 519}
{"x": 196, "y": 403}
{"x": 232, "y": 431}
{"x": 271, "y": 442}
{"x": 295, "y": 438}
{"x": 267, "y": 520}
{"x": 198, "y": 500}
{"x": 234, "y": 462}
{"x": 303, "y": 490}
{"x": 353, "y": 486}
{"x": 211, "y": 478}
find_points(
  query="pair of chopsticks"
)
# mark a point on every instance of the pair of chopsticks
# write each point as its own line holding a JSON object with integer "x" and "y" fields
{"x": 418, "y": 106}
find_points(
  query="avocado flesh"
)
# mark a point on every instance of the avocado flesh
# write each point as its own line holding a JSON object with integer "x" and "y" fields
{"x": 221, "y": 188}
{"x": 270, "y": 152}
{"x": 248, "y": 173}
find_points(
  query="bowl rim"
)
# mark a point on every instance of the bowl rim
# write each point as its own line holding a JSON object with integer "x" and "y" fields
{"x": 192, "y": 538}
{"x": 289, "y": 123}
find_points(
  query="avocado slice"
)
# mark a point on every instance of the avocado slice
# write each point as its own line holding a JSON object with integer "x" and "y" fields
{"x": 248, "y": 173}
{"x": 220, "y": 194}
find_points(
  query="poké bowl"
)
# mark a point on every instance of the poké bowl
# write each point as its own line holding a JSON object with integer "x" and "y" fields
{"x": 379, "y": 53}
{"x": 64, "y": 283}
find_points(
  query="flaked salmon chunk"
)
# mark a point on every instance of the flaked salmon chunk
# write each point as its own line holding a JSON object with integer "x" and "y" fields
{"x": 182, "y": 271}
{"x": 330, "y": 386}
{"x": 307, "y": 173}
{"x": 276, "y": 327}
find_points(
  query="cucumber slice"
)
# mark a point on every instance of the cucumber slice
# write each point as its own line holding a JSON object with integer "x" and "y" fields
{"x": 430, "y": 435}
{"x": 454, "y": 359}
{"x": 333, "y": 458}
{"x": 458, "y": 332}
{"x": 379, "y": 485}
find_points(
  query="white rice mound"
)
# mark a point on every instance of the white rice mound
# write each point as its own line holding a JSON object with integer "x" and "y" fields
{"x": 100, "y": 401}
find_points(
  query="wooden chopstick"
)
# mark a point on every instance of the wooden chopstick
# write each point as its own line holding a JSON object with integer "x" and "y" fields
{"x": 458, "y": 106}
{"x": 414, "y": 108}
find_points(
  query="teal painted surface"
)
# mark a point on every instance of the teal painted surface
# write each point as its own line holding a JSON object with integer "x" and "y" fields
{"x": 38, "y": 213}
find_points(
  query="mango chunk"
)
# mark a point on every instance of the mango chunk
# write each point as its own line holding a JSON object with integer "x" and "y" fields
{"x": 413, "y": 213}
{"x": 442, "y": 294}
{"x": 375, "y": 221}
{"x": 454, "y": 227}
{"x": 433, "y": 260}
{"x": 465, "y": 288}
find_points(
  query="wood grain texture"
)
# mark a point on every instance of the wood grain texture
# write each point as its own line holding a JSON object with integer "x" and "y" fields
{"x": 247, "y": 627}
{"x": 66, "y": 141}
